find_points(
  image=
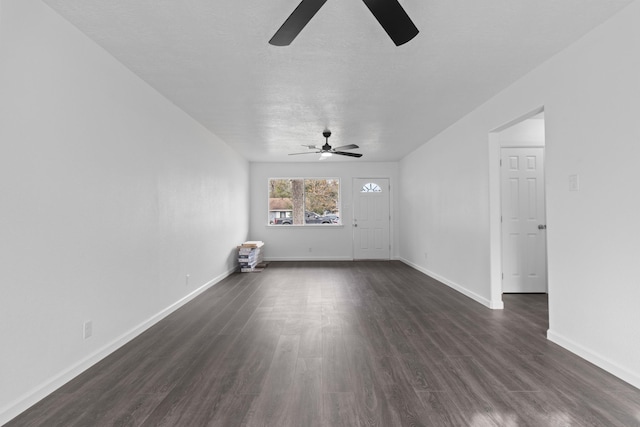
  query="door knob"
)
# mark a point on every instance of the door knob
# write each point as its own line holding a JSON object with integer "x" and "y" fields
{"x": 355, "y": 225}
{"x": 542, "y": 227}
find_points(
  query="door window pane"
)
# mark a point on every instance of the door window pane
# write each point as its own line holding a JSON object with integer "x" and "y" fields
{"x": 371, "y": 187}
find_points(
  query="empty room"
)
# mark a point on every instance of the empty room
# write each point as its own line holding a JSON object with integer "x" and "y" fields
{"x": 445, "y": 193}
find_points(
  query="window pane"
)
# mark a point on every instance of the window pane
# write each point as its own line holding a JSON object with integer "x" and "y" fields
{"x": 371, "y": 187}
{"x": 286, "y": 201}
{"x": 321, "y": 200}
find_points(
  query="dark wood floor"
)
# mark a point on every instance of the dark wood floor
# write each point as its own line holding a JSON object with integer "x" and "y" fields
{"x": 342, "y": 344}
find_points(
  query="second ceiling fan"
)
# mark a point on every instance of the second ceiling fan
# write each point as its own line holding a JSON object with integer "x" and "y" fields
{"x": 389, "y": 14}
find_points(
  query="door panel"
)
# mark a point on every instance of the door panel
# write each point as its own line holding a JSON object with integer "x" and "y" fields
{"x": 371, "y": 221}
{"x": 523, "y": 210}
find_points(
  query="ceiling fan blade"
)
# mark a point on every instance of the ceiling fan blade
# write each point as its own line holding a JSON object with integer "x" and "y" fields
{"x": 346, "y": 153}
{"x": 393, "y": 19}
{"x": 313, "y": 147}
{"x": 296, "y": 22}
{"x": 306, "y": 152}
{"x": 346, "y": 147}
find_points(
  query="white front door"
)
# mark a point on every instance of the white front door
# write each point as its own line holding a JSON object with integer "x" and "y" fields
{"x": 524, "y": 247}
{"x": 371, "y": 220}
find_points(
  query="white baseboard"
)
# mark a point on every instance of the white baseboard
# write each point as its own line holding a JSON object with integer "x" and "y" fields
{"x": 24, "y": 402}
{"x": 597, "y": 359}
{"x": 314, "y": 258}
{"x": 466, "y": 292}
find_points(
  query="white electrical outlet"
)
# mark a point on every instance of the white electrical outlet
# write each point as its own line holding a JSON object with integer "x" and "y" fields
{"x": 309, "y": 249}
{"x": 574, "y": 182}
{"x": 186, "y": 280}
{"x": 87, "y": 329}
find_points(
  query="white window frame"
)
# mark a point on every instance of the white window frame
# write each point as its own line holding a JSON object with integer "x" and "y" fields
{"x": 304, "y": 178}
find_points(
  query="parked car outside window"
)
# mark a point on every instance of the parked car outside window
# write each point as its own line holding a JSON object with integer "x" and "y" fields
{"x": 333, "y": 217}
{"x": 309, "y": 218}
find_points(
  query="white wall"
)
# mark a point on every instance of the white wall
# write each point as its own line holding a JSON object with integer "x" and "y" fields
{"x": 444, "y": 217}
{"x": 326, "y": 242}
{"x": 110, "y": 196}
{"x": 591, "y": 98}
{"x": 529, "y": 132}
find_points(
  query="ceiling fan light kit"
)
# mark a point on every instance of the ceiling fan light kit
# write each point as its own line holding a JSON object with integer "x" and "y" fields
{"x": 389, "y": 13}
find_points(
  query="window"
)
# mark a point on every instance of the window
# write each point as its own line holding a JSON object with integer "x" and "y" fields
{"x": 371, "y": 187}
{"x": 304, "y": 201}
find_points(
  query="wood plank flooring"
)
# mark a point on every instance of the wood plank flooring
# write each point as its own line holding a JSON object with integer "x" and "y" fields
{"x": 342, "y": 344}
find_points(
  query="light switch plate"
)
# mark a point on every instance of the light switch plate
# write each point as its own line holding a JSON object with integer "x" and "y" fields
{"x": 87, "y": 329}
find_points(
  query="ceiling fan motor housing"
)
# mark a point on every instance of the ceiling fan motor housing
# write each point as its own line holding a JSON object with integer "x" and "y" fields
{"x": 326, "y": 134}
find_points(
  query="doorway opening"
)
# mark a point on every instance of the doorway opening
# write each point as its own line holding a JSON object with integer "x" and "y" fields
{"x": 517, "y": 208}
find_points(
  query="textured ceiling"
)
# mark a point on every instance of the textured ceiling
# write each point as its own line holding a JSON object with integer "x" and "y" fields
{"x": 212, "y": 59}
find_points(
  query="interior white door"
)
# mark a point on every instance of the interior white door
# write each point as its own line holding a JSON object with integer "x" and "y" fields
{"x": 524, "y": 246}
{"x": 371, "y": 219}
